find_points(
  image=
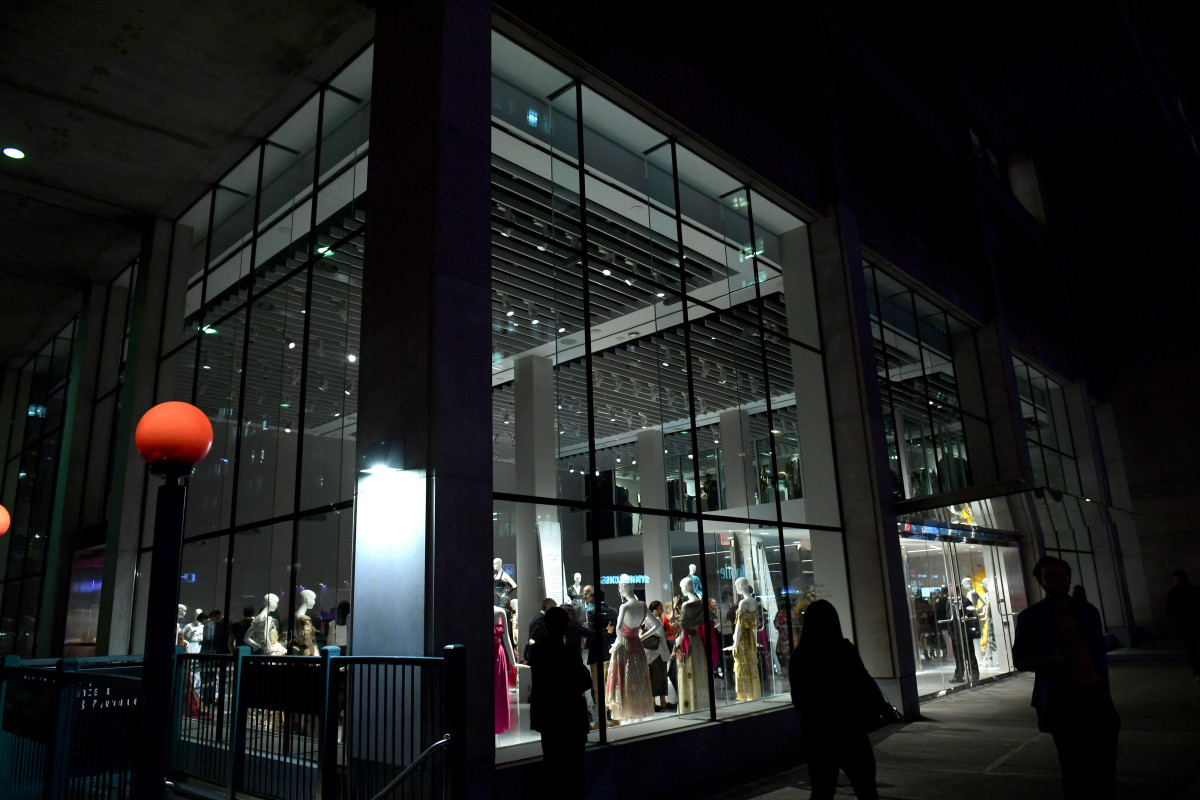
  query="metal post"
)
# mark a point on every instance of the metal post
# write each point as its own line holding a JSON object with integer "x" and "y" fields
{"x": 454, "y": 717}
{"x": 237, "y": 747}
{"x": 158, "y": 667}
{"x": 327, "y": 767}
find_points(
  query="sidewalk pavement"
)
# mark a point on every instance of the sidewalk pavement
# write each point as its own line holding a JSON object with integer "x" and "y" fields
{"x": 984, "y": 743}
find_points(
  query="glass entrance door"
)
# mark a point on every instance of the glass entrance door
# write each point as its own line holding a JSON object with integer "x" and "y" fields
{"x": 962, "y": 607}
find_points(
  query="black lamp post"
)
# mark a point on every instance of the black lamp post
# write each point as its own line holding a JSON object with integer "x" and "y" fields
{"x": 172, "y": 437}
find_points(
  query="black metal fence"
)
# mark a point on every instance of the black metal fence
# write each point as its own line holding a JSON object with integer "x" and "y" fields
{"x": 67, "y": 731}
{"x": 291, "y": 727}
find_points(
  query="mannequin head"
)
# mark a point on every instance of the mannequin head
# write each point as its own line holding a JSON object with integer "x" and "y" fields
{"x": 966, "y": 585}
{"x": 201, "y": 617}
{"x": 624, "y": 586}
{"x": 180, "y": 612}
{"x": 691, "y": 569}
{"x": 688, "y": 587}
{"x": 496, "y": 565}
{"x": 743, "y": 587}
{"x": 578, "y": 577}
{"x": 270, "y": 603}
{"x": 308, "y": 598}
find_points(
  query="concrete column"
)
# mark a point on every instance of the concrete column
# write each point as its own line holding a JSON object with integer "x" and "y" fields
{"x": 874, "y": 565}
{"x": 536, "y": 450}
{"x": 1003, "y": 405}
{"x": 656, "y": 543}
{"x": 425, "y": 346}
{"x": 737, "y": 449}
{"x": 818, "y": 473}
{"x": 156, "y": 293}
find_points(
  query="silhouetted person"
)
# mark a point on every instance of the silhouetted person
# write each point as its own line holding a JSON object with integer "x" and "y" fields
{"x": 1183, "y": 606}
{"x": 830, "y": 689}
{"x": 1079, "y": 594}
{"x": 1062, "y": 641}
{"x": 557, "y": 708}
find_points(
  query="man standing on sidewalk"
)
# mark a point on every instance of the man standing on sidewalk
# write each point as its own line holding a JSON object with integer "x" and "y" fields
{"x": 1062, "y": 642}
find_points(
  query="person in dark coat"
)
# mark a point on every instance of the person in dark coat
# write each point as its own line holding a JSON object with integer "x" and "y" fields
{"x": 557, "y": 708}
{"x": 1183, "y": 606}
{"x": 833, "y": 693}
{"x": 1062, "y": 642}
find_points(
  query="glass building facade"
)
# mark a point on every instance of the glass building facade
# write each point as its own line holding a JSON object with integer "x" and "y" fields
{"x": 266, "y": 342}
{"x": 658, "y": 391}
{"x": 674, "y": 409}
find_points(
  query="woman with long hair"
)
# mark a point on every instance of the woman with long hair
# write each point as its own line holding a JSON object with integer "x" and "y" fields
{"x": 832, "y": 691}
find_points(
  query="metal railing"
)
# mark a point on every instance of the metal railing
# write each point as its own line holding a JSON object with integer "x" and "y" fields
{"x": 67, "y": 732}
{"x": 291, "y": 727}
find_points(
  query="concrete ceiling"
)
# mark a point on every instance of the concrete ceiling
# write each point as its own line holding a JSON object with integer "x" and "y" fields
{"x": 126, "y": 111}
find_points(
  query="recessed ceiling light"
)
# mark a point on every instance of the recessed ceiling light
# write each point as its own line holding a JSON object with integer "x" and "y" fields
{"x": 606, "y": 272}
{"x": 13, "y": 152}
{"x": 562, "y": 330}
{"x": 291, "y": 345}
{"x": 661, "y": 294}
{"x": 351, "y": 357}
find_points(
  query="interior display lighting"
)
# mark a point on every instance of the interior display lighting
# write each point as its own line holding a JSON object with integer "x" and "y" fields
{"x": 13, "y": 152}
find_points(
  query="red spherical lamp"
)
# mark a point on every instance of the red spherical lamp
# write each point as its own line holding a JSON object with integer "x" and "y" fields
{"x": 5, "y": 520}
{"x": 174, "y": 436}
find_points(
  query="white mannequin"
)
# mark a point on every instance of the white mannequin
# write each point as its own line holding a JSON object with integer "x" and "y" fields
{"x": 180, "y": 615}
{"x": 687, "y": 586}
{"x": 193, "y": 633}
{"x": 575, "y": 590}
{"x": 258, "y": 637}
{"x": 632, "y": 612}
{"x": 744, "y": 588}
{"x": 305, "y": 632}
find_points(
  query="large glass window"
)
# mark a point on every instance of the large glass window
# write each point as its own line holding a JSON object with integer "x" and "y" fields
{"x": 268, "y": 347}
{"x": 916, "y": 345}
{"x": 660, "y": 430}
{"x": 37, "y": 396}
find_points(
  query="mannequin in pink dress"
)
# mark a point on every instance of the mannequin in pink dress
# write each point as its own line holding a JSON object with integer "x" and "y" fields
{"x": 505, "y": 665}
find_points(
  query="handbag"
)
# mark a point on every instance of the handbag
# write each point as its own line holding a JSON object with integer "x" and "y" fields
{"x": 874, "y": 711}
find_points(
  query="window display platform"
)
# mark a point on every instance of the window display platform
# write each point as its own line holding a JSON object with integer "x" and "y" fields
{"x": 519, "y": 743}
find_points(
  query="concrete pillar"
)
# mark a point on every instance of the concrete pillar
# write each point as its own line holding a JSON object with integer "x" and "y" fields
{"x": 872, "y": 546}
{"x": 536, "y": 451}
{"x": 656, "y": 543}
{"x": 737, "y": 449}
{"x": 972, "y": 398}
{"x": 426, "y": 336}
{"x": 1003, "y": 405}
{"x": 156, "y": 295}
{"x": 818, "y": 473}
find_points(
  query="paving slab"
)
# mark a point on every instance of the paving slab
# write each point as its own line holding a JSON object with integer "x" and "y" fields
{"x": 984, "y": 742}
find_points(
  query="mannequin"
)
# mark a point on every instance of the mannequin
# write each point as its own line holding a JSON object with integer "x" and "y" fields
{"x": 699, "y": 590}
{"x": 692, "y": 672}
{"x": 627, "y": 693}
{"x": 305, "y": 638}
{"x": 258, "y": 637}
{"x": 503, "y": 585}
{"x": 180, "y": 615}
{"x": 193, "y": 632}
{"x": 504, "y": 672}
{"x": 574, "y": 591}
{"x": 745, "y": 643}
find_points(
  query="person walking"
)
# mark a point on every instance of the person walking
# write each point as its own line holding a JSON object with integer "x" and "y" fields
{"x": 1183, "y": 606}
{"x": 1061, "y": 641}
{"x": 557, "y": 708}
{"x": 838, "y": 703}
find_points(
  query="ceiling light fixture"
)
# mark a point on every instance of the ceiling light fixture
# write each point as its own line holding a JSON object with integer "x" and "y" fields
{"x": 291, "y": 345}
{"x": 606, "y": 272}
{"x": 351, "y": 357}
{"x": 13, "y": 152}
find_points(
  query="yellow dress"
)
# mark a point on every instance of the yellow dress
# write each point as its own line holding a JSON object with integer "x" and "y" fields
{"x": 745, "y": 657}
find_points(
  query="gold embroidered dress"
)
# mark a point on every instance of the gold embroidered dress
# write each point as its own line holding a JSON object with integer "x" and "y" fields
{"x": 745, "y": 657}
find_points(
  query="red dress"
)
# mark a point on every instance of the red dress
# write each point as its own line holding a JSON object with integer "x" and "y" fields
{"x": 500, "y": 678}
